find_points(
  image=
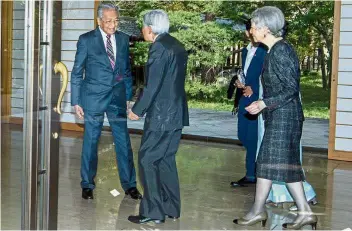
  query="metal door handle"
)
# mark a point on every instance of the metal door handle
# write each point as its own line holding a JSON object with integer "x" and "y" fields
{"x": 40, "y": 78}
{"x": 60, "y": 67}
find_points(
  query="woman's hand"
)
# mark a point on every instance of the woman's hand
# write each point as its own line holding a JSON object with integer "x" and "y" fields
{"x": 238, "y": 84}
{"x": 248, "y": 91}
{"x": 256, "y": 107}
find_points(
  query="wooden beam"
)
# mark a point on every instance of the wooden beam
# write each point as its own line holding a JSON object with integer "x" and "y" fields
{"x": 332, "y": 154}
{"x": 340, "y": 155}
{"x": 6, "y": 58}
{"x": 96, "y": 4}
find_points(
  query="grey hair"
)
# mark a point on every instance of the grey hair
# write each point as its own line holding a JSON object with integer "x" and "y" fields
{"x": 271, "y": 17}
{"x": 106, "y": 6}
{"x": 158, "y": 20}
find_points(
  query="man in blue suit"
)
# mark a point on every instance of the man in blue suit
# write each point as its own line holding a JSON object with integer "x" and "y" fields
{"x": 252, "y": 63}
{"x": 102, "y": 57}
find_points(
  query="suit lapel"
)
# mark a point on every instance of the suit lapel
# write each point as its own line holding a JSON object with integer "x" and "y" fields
{"x": 244, "y": 57}
{"x": 253, "y": 61}
{"x": 100, "y": 41}
{"x": 256, "y": 60}
{"x": 118, "y": 48}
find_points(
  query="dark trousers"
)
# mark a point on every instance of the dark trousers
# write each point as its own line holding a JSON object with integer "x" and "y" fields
{"x": 158, "y": 172}
{"x": 248, "y": 135}
{"x": 93, "y": 123}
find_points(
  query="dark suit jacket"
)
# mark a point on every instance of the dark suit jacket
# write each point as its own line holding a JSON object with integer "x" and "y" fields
{"x": 281, "y": 84}
{"x": 252, "y": 78}
{"x": 100, "y": 82}
{"x": 164, "y": 97}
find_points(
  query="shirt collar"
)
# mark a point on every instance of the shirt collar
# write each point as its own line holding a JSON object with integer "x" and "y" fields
{"x": 104, "y": 34}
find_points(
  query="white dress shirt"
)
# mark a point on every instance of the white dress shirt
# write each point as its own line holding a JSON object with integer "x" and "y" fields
{"x": 250, "y": 54}
{"x": 113, "y": 41}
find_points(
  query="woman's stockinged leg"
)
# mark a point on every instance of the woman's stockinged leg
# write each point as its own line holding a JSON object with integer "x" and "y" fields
{"x": 297, "y": 193}
{"x": 261, "y": 194}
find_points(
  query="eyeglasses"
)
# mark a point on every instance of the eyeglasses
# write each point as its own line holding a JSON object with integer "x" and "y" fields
{"x": 109, "y": 22}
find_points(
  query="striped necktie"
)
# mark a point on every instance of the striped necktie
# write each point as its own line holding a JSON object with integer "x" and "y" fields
{"x": 110, "y": 51}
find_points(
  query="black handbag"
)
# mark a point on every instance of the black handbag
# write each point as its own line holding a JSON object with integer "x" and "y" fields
{"x": 239, "y": 92}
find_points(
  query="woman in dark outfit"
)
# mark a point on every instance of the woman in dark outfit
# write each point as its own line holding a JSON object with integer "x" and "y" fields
{"x": 279, "y": 154}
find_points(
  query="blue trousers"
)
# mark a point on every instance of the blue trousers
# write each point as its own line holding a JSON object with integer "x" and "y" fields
{"x": 93, "y": 123}
{"x": 248, "y": 135}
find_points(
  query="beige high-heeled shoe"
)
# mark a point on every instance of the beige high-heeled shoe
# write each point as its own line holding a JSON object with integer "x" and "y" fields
{"x": 311, "y": 202}
{"x": 261, "y": 217}
{"x": 308, "y": 220}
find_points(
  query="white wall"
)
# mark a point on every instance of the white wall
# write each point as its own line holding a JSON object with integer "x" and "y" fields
{"x": 77, "y": 18}
{"x": 343, "y": 140}
{"x": 17, "y": 59}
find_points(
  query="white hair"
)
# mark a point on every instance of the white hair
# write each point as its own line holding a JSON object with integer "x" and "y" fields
{"x": 271, "y": 17}
{"x": 158, "y": 20}
{"x": 106, "y": 6}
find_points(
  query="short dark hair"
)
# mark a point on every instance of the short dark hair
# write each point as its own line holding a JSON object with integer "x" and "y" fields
{"x": 285, "y": 29}
{"x": 248, "y": 25}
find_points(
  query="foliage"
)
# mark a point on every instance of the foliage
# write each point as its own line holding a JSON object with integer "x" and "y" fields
{"x": 206, "y": 93}
{"x": 205, "y": 42}
{"x": 140, "y": 53}
{"x": 310, "y": 27}
{"x": 316, "y": 100}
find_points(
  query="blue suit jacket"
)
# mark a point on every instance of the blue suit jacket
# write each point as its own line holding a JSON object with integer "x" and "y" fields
{"x": 101, "y": 81}
{"x": 252, "y": 78}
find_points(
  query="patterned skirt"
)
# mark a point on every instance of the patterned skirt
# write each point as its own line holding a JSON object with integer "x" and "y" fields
{"x": 279, "y": 154}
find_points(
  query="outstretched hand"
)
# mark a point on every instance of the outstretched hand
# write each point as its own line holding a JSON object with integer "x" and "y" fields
{"x": 79, "y": 111}
{"x": 132, "y": 116}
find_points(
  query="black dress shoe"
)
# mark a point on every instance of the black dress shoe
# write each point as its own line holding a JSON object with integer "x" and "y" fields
{"x": 87, "y": 193}
{"x": 172, "y": 217}
{"x": 243, "y": 182}
{"x": 134, "y": 193}
{"x": 142, "y": 220}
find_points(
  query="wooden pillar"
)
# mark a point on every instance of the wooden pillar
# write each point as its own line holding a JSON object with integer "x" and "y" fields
{"x": 6, "y": 58}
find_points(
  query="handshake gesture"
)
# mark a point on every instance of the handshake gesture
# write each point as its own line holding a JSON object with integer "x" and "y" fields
{"x": 131, "y": 115}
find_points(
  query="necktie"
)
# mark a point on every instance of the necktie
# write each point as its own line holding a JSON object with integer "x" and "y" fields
{"x": 110, "y": 51}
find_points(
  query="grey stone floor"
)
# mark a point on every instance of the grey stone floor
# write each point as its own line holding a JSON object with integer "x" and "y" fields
{"x": 222, "y": 124}
{"x": 207, "y": 200}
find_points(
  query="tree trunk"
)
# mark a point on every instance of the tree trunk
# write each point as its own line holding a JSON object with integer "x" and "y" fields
{"x": 308, "y": 64}
{"x": 329, "y": 70}
{"x": 323, "y": 67}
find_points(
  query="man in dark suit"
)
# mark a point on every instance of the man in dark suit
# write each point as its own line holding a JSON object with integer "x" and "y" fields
{"x": 103, "y": 58}
{"x": 164, "y": 101}
{"x": 252, "y": 64}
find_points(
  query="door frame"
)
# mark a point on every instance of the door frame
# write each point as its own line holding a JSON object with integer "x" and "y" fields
{"x": 41, "y": 119}
{"x": 334, "y": 154}
{"x": 6, "y": 59}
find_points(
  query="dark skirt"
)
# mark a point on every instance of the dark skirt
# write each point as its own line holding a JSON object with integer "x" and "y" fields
{"x": 279, "y": 154}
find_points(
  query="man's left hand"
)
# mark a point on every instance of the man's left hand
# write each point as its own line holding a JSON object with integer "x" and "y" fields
{"x": 132, "y": 116}
{"x": 247, "y": 91}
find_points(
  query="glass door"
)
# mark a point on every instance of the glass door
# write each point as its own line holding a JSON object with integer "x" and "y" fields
{"x": 43, "y": 92}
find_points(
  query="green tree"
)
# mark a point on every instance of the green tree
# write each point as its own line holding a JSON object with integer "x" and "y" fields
{"x": 206, "y": 42}
{"x": 310, "y": 26}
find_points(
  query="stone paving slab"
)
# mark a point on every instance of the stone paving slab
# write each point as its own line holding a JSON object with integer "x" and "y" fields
{"x": 222, "y": 124}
